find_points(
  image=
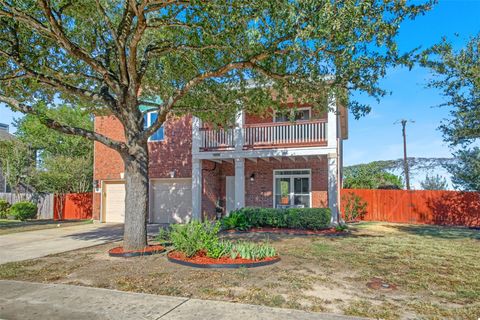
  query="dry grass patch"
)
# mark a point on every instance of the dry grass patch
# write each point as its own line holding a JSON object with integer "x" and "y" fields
{"x": 435, "y": 270}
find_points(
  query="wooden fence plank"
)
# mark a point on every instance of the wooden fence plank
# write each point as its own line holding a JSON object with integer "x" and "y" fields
{"x": 44, "y": 202}
{"x": 419, "y": 206}
{"x": 76, "y": 206}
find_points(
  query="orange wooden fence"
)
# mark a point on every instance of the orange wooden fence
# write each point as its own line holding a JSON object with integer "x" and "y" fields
{"x": 419, "y": 206}
{"x": 75, "y": 206}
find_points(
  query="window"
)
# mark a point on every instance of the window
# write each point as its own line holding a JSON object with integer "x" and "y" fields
{"x": 292, "y": 115}
{"x": 292, "y": 188}
{"x": 149, "y": 119}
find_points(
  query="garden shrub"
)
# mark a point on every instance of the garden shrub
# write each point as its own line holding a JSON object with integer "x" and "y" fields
{"x": 355, "y": 207}
{"x": 4, "y": 207}
{"x": 24, "y": 210}
{"x": 190, "y": 238}
{"x": 235, "y": 220}
{"x": 295, "y": 218}
{"x": 195, "y": 237}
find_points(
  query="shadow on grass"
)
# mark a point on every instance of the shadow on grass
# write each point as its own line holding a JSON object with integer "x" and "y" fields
{"x": 439, "y": 231}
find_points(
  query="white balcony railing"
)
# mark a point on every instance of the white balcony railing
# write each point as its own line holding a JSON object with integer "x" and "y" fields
{"x": 217, "y": 139}
{"x": 267, "y": 135}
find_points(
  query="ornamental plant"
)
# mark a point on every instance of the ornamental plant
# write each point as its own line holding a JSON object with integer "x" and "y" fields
{"x": 196, "y": 237}
{"x": 24, "y": 210}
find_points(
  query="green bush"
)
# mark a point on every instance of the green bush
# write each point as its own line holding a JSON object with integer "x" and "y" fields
{"x": 235, "y": 220}
{"x": 4, "y": 207}
{"x": 355, "y": 207}
{"x": 195, "y": 237}
{"x": 24, "y": 210}
{"x": 295, "y": 218}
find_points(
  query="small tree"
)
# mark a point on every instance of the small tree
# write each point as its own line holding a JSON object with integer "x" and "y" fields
{"x": 17, "y": 161}
{"x": 370, "y": 176}
{"x": 434, "y": 182}
{"x": 457, "y": 75}
{"x": 466, "y": 169}
{"x": 208, "y": 58}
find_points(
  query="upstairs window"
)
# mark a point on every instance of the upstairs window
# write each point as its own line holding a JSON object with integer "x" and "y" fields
{"x": 292, "y": 115}
{"x": 149, "y": 120}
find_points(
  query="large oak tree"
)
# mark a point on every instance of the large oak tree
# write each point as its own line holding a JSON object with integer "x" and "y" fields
{"x": 205, "y": 57}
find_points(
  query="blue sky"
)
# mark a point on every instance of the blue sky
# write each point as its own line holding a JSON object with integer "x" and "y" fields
{"x": 376, "y": 137}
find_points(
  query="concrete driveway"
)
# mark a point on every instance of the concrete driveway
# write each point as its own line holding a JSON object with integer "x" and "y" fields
{"x": 39, "y": 243}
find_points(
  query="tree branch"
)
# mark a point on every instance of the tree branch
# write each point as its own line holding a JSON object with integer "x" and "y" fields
{"x": 251, "y": 63}
{"x": 55, "y": 125}
{"x": 52, "y": 81}
{"x": 74, "y": 50}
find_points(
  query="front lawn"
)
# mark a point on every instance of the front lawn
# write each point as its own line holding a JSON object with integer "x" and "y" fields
{"x": 422, "y": 272}
{"x": 13, "y": 226}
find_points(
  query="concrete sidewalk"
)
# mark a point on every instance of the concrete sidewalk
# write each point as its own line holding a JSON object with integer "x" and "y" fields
{"x": 25, "y": 300}
{"x": 39, "y": 243}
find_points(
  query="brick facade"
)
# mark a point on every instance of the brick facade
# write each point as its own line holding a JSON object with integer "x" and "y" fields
{"x": 174, "y": 154}
{"x": 259, "y": 193}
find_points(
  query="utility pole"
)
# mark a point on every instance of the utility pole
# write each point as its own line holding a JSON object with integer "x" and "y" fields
{"x": 403, "y": 122}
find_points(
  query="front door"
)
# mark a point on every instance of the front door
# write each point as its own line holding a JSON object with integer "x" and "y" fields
{"x": 292, "y": 188}
{"x": 230, "y": 194}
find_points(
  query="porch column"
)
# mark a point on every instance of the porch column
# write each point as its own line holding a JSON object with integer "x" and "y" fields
{"x": 196, "y": 137}
{"x": 238, "y": 136}
{"x": 333, "y": 187}
{"x": 332, "y": 123}
{"x": 239, "y": 183}
{"x": 196, "y": 189}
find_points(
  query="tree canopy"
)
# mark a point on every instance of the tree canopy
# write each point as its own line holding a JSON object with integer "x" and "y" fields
{"x": 457, "y": 75}
{"x": 370, "y": 176}
{"x": 434, "y": 182}
{"x": 207, "y": 58}
{"x": 43, "y": 160}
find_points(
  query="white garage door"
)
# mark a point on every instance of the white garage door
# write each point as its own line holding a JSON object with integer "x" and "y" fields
{"x": 171, "y": 201}
{"x": 114, "y": 202}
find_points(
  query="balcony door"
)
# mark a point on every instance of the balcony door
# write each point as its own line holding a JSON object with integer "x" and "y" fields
{"x": 292, "y": 188}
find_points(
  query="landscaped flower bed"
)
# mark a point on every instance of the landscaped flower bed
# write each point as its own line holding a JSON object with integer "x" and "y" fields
{"x": 198, "y": 245}
{"x": 147, "y": 251}
{"x": 201, "y": 260}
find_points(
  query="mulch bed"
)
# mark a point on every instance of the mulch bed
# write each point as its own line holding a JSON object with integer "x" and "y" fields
{"x": 147, "y": 251}
{"x": 330, "y": 231}
{"x": 202, "y": 261}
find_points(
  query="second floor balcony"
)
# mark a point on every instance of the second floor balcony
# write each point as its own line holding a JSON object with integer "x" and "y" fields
{"x": 273, "y": 135}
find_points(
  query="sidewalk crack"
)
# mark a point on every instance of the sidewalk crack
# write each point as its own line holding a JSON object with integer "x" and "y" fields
{"x": 178, "y": 305}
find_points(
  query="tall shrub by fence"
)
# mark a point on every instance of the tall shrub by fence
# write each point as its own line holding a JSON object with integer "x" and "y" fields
{"x": 44, "y": 202}
{"x": 419, "y": 206}
{"x": 75, "y": 206}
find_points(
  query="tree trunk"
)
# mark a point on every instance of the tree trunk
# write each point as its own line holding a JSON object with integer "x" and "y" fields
{"x": 136, "y": 198}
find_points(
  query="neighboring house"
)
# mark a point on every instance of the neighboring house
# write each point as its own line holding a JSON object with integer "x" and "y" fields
{"x": 4, "y": 135}
{"x": 197, "y": 171}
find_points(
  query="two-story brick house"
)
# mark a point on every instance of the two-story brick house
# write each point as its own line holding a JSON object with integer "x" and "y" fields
{"x": 197, "y": 171}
